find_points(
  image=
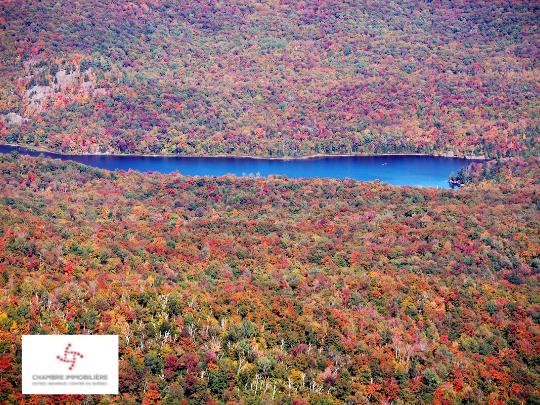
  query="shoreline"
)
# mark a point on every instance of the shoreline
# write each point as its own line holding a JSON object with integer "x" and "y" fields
{"x": 284, "y": 158}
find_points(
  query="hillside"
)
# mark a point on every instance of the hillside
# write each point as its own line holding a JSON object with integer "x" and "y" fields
{"x": 270, "y": 78}
{"x": 244, "y": 290}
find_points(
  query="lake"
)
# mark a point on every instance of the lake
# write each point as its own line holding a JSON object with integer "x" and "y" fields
{"x": 411, "y": 170}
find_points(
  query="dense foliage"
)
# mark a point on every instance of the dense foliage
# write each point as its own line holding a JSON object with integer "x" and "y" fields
{"x": 270, "y": 77}
{"x": 247, "y": 290}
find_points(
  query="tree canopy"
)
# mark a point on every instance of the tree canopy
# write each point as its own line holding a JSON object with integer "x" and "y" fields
{"x": 252, "y": 290}
{"x": 270, "y": 78}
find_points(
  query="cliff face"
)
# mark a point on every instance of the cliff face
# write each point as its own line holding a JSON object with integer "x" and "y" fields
{"x": 64, "y": 88}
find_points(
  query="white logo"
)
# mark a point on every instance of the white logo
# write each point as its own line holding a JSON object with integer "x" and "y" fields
{"x": 70, "y": 364}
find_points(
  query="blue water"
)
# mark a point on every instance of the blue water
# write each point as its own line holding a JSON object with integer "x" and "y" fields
{"x": 397, "y": 170}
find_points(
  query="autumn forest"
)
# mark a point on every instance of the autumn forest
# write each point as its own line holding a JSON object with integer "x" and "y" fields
{"x": 272, "y": 290}
{"x": 270, "y": 78}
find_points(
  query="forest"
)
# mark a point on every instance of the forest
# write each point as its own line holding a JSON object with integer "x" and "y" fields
{"x": 269, "y": 290}
{"x": 270, "y": 78}
{"x": 250, "y": 290}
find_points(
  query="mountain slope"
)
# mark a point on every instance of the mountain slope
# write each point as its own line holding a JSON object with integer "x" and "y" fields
{"x": 244, "y": 290}
{"x": 270, "y": 78}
